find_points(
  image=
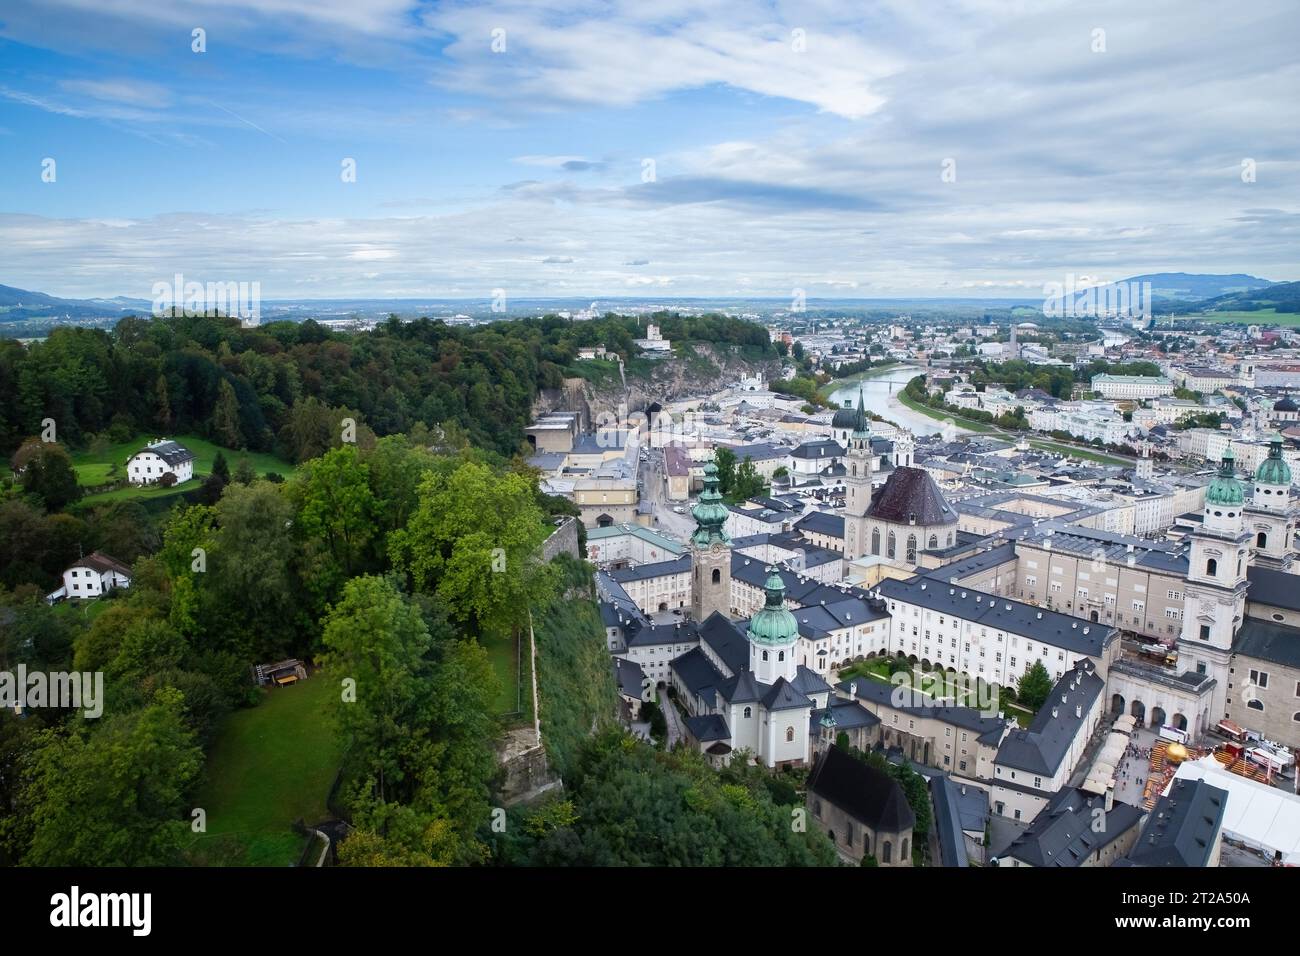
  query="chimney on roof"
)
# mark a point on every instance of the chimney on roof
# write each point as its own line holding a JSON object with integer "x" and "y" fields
{"x": 1078, "y": 710}
{"x": 1054, "y": 713}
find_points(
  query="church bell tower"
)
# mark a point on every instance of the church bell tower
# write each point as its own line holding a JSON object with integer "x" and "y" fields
{"x": 710, "y": 552}
{"x": 859, "y": 465}
{"x": 1215, "y": 603}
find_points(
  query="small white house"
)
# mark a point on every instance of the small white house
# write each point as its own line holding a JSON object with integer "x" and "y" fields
{"x": 92, "y": 576}
{"x": 159, "y": 458}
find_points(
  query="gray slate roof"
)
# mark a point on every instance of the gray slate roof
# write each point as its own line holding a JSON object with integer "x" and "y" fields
{"x": 172, "y": 452}
{"x": 1041, "y": 748}
{"x": 1003, "y": 614}
{"x": 1182, "y": 828}
{"x": 1274, "y": 588}
{"x": 1268, "y": 641}
{"x": 707, "y": 728}
{"x": 1062, "y": 834}
{"x": 870, "y": 796}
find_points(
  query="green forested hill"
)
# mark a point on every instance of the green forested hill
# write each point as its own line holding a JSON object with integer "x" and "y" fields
{"x": 283, "y": 387}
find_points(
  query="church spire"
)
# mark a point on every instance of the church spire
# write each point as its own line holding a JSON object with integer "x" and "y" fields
{"x": 710, "y": 513}
{"x": 861, "y": 423}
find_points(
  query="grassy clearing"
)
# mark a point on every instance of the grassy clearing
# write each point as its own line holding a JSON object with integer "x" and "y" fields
{"x": 599, "y": 372}
{"x": 107, "y": 462}
{"x": 270, "y": 765}
{"x": 514, "y": 695}
{"x": 1075, "y": 451}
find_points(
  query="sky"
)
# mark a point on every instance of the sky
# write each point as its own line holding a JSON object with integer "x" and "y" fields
{"x": 875, "y": 148}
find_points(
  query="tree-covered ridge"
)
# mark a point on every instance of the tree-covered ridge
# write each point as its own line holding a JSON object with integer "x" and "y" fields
{"x": 628, "y": 804}
{"x": 284, "y": 386}
{"x": 379, "y": 562}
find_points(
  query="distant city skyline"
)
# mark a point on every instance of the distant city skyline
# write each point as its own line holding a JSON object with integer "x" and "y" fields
{"x": 964, "y": 149}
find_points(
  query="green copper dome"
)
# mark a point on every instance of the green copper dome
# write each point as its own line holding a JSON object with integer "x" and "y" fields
{"x": 773, "y": 624}
{"x": 1225, "y": 489}
{"x": 710, "y": 514}
{"x": 1274, "y": 470}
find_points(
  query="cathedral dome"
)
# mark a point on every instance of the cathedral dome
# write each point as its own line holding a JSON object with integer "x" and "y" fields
{"x": 1225, "y": 489}
{"x": 1274, "y": 470}
{"x": 854, "y": 418}
{"x": 846, "y": 417}
{"x": 1285, "y": 404}
{"x": 773, "y": 624}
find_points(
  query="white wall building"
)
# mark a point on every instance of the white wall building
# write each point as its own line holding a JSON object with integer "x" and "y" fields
{"x": 159, "y": 458}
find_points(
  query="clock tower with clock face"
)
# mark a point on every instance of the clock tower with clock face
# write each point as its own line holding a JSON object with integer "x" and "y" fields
{"x": 710, "y": 552}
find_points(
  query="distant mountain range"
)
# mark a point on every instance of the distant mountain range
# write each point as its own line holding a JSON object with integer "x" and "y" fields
{"x": 1171, "y": 292}
{"x": 17, "y": 305}
{"x": 1281, "y": 296}
{"x": 1193, "y": 287}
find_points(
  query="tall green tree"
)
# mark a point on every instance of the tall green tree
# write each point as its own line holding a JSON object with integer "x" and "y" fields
{"x": 725, "y": 460}
{"x": 111, "y": 796}
{"x": 49, "y": 476}
{"x": 1034, "y": 686}
{"x": 415, "y": 712}
{"x": 225, "y": 417}
{"x": 473, "y": 542}
{"x": 337, "y": 506}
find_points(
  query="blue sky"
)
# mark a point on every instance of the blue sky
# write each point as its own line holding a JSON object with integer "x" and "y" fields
{"x": 793, "y": 145}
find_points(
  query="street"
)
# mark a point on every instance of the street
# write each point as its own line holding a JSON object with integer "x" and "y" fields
{"x": 654, "y": 490}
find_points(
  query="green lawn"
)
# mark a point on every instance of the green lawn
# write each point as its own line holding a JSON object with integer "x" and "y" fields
{"x": 83, "y": 610}
{"x": 1259, "y": 317}
{"x": 943, "y": 416}
{"x": 1074, "y": 451}
{"x": 108, "y": 463}
{"x": 514, "y": 671}
{"x": 270, "y": 765}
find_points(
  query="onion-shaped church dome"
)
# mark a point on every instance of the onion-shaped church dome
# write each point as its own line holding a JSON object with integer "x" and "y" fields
{"x": 1274, "y": 470}
{"x": 773, "y": 624}
{"x": 1225, "y": 489}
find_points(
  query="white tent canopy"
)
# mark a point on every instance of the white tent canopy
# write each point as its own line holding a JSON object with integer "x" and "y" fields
{"x": 1262, "y": 817}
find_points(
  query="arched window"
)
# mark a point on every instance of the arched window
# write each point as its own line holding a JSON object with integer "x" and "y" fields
{"x": 1296, "y": 716}
{"x": 780, "y": 655}
{"x": 934, "y": 542}
{"x": 1211, "y": 567}
{"x": 717, "y": 576}
{"x": 1261, "y": 540}
{"x": 911, "y": 549}
{"x": 1255, "y": 704}
{"x": 749, "y": 712}
{"x": 789, "y": 734}
{"x": 887, "y": 853}
{"x": 902, "y": 855}
{"x": 765, "y": 655}
{"x": 875, "y": 540}
{"x": 950, "y": 539}
{"x": 891, "y": 551}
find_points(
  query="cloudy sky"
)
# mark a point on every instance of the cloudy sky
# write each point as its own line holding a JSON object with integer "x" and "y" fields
{"x": 860, "y": 149}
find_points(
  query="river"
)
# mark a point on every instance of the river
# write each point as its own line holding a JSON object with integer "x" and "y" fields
{"x": 880, "y": 390}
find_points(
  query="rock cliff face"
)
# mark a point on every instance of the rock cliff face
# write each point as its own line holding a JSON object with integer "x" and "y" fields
{"x": 708, "y": 370}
